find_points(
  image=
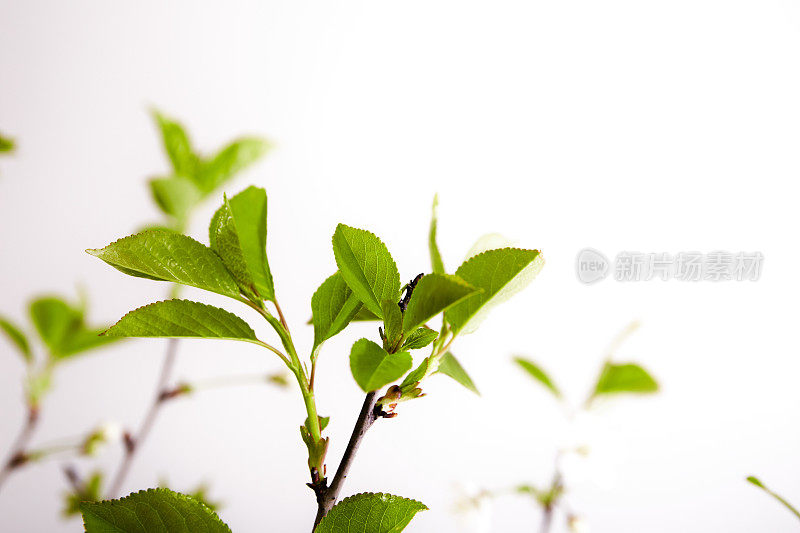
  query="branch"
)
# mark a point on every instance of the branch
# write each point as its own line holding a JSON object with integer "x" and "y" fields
{"x": 17, "y": 456}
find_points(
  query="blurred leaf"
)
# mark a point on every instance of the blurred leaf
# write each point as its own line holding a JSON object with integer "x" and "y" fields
{"x": 90, "y": 492}
{"x": 169, "y": 256}
{"x": 436, "y": 258}
{"x": 177, "y": 145}
{"x": 182, "y": 318}
{"x": 232, "y": 159}
{"x": 18, "y": 338}
{"x": 6, "y": 144}
{"x": 624, "y": 378}
{"x": 333, "y": 306}
{"x": 419, "y": 338}
{"x": 370, "y": 513}
{"x": 151, "y": 510}
{"x": 176, "y": 196}
{"x": 238, "y": 233}
{"x": 433, "y": 294}
{"x": 373, "y": 367}
{"x": 366, "y": 266}
{"x": 501, "y": 274}
{"x": 38, "y": 384}
{"x": 757, "y": 482}
{"x": 449, "y": 366}
{"x": 62, "y": 328}
{"x": 538, "y": 374}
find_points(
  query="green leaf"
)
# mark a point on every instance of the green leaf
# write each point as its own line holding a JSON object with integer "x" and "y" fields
{"x": 90, "y": 491}
{"x": 420, "y": 338}
{"x": 392, "y": 321}
{"x": 182, "y": 318}
{"x": 6, "y": 144}
{"x": 433, "y": 294}
{"x": 415, "y": 376}
{"x": 490, "y": 241}
{"x": 618, "y": 378}
{"x": 538, "y": 374}
{"x": 238, "y": 233}
{"x": 62, "y": 328}
{"x": 164, "y": 255}
{"x": 501, "y": 274}
{"x": 373, "y": 367}
{"x": 366, "y": 266}
{"x": 18, "y": 338}
{"x": 370, "y": 513}
{"x": 436, "y": 258}
{"x": 364, "y": 314}
{"x": 232, "y": 159}
{"x": 757, "y": 482}
{"x": 151, "y": 511}
{"x": 333, "y": 306}
{"x": 176, "y": 196}
{"x": 177, "y": 145}
{"x": 449, "y": 366}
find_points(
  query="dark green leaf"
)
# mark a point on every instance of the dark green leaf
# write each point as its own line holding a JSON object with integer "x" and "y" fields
{"x": 419, "y": 338}
{"x": 449, "y": 366}
{"x": 6, "y": 144}
{"x": 373, "y": 367}
{"x": 333, "y": 306}
{"x": 618, "y": 378}
{"x": 182, "y": 318}
{"x": 433, "y": 294}
{"x": 151, "y": 511}
{"x": 538, "y": 374}
{"x": 365, "y": 315}
{"x": 176, "y": 196}
{"x": 177, "y": 145}
{"x": 168, "y": 256}
{"x": 436, "y": 258}
{"x": 501, "y": 274}
{"x": 370, "y": 513}
{"x": 18, "y": 338}
{"x": 366, "y": 266}
{"x": 232, "y": 159}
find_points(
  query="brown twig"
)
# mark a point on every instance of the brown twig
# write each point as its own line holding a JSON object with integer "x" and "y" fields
{"x": 17, "y": 455}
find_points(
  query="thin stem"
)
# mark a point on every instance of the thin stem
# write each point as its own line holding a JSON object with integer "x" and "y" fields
{"x": 16, "y": 457}
{"x": 135, "y": 442}
{"x": 547, "y": 519}
{"x": 280, "y": 315}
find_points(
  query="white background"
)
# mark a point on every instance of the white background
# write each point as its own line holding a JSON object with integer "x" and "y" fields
{"x": 646, "y": 126}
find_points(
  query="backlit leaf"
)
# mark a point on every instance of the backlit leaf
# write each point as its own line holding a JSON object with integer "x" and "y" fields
{"x": 373, "y": 367}
{"x": 370, "y": 513}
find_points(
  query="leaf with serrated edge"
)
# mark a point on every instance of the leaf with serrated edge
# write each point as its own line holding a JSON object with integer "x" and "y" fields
{"x": 164, "y": 255}
{"x": 373, "y": 367}
{"x": 370, "y": 513}
{"x": 538, "y": 374}
{"x": 501, "y": 274}
{"x": 618, "y": 378}
{"x": 449, "y": 366}
{"x": 153, "y": 510}
{"x": 19, "y": 339}
{"x": 420, "y": 338}
{"x": 433, "y": 294}
{"x": 436, "y": 257}
{"x": 366, "y": 266}
{"x": 182, "y": 318}
{"x": 333, "y": 306}
{"x": 490, "y": 241}
{"x": 229, "y": 161}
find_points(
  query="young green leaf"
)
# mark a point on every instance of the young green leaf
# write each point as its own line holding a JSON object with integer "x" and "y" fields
{"x": 164, "y": 255}
{"x": 333, "y": 306}
{"x": 18, "y": 338}
{"x": 373, "y": 367}
{"x": 433, "y": 294}
{"x": 89, "y": 491}
{"x": 415, "y": 376}
{"x": 238, "y": 233}
{"x": 232, "y": 159}
{"x": 538, "y": 374}
{"x": 176, "y": 196}
{"x": 153, "y": 510}
{"x": 62, "y": 328}
{"x": 366, "y": 266}
{"x": 182, "y": 318}
{"x": 419, "y": 338}
{"x": 501, "y": 274}
{"x": 436, "y": 258}
{"x": 177, "y": 145}
{"x": 370, "y": 513}
{"x": 449, "y": 366}
{"x": 490, "y": 241}
{"x": 618, "y": 378}
{"x": 757, "y": 482}
{"x": 392, "y": 321}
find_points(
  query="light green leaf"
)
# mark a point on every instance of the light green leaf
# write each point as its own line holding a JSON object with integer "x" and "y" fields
{"x": 176, "y": 196}
{"x": 618, "y": 378}
{"x": 757, "y": 482}
{"x": 449, "y": 366}
{"x": 238, "y": 233}
{"x": 365, "y": 315}
{"x": 232, "y": 159}
{"x": 6, "y": 144}
{"x": 370, "y": 513}
{"x": 538, "y": 374}
{"x": 151, "y": 511}
{"x": 501, "y": 274}
{"x": 392, "y": 321}
{"x": 19, "y": 339}
{"x": 366, "y": 266}
{"x": 177, "y": 145}
{"x": 62, "y": 328}
{"x": 436, "y": 258}
{"x": 490, "y": 241}
{"x": 168, "y": 256}
{"x": 182, "y": 318}
{"x": 433, "y": 294}
{"x": 419, "y": 338}
{"x": 373, "y": 367}
{"x": 89, "y": 491}
{"x": 333, "y": 306}
{"x": 415, "y": 376}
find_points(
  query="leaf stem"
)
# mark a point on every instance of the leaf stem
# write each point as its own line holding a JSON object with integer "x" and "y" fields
{"x": 20, "y": 444}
